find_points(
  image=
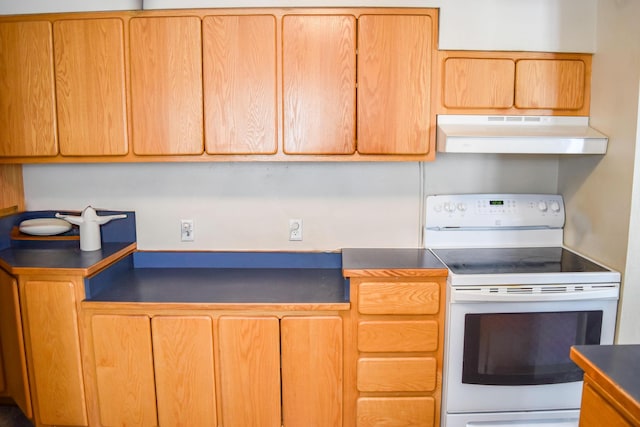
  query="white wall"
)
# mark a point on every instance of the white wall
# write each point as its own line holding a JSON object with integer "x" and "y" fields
{"x": 599, "y": 190}
{"x": 541, "y": 25}
{"x": 240, "y": 206}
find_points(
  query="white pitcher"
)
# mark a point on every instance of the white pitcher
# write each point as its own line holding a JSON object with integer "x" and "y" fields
{"x": 89, "y": 223}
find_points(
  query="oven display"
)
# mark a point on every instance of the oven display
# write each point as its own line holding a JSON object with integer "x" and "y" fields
{"x": 496, "y": 202}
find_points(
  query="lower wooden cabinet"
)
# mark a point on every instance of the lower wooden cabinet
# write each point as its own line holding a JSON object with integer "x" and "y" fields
{"x": 209, "y": 370}
{"x": 13, "y": 367}
{"x": 49, "y": 309}
{"x": 396, "y": 351}
{"x": 166, "y": 380}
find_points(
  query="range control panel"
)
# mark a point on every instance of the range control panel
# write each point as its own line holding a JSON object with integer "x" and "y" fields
{"x": 494, "y": 210}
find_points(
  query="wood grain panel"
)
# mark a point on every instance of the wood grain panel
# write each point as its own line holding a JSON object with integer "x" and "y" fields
{"x": 555, "y": 84}
{"x": 11, "y": 189}
{"x": 124, "y": 370}
{"x": 394, "y": 84}
{"x": 166, "y": 85}
{"x": 13, "y": 362}
{"x": 55, "y": 352}
{"x": 183, "y": 364}
{"x": 396, "y": 374}
{"x": 27, "y": 90}
{"x": 90, "y": 87}
{"x": 239, "y": 60}
{"x": 312, "y": 345}
{"x": 250, "y": 371}
{"x": 596, "y": 410}
{"x": 397, "y": 336}
{"x": 396, "y": 412}
{"x": 399, "y": 298}
{"x": 478, "y": 83}
{"x": 319, "y": 86}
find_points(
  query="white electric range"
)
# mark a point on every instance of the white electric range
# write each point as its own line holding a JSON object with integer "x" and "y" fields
{"x": 517, "y": 301}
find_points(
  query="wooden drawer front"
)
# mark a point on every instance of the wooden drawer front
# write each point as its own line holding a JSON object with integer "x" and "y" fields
{"x": 478, "y": 83}
{"x": 399, "y": 298}
{"x": 556, "y": 84}
{"x": 396, "y": 412}
{"x": 397, "y": 374}
{"x": 390, "y": 336}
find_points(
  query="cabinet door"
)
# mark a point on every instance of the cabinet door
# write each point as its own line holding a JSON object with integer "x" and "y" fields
{"x": 27, "y": 106}
{"x": 54, "y": 343}
{"x": 554, "y": 84}
{"x": 478, "y": 83}
{"x": 318, "y": 75}
{"x": 166, "y": 85}
{"x": 13, "y": 363}
{"x": 124, "y": 370}
{"x": 312, "y": 374}
{"x": 250, "y": 371}
{"x": 394, "y": 84}
{"x": 183, "y": 364}
{"x": 90, "y": 87}
{"x": 239, "y": 61}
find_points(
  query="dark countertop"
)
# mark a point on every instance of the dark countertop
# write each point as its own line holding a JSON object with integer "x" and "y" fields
{"x": 614, "y": 367}
{"x": 274, "y": 280}
{"x": 61, "y": 258}
{"x": 391, "y": 262}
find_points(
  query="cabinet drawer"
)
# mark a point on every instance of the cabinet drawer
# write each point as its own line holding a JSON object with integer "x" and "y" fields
{"x": 396, "y": 411}
{"x": 398, "y": 336}
{"x": 397, "y": 374}
{"x": 399, "y": 298}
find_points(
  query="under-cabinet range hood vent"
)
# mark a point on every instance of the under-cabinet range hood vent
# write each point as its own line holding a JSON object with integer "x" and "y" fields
{"x": 518, "y": 135}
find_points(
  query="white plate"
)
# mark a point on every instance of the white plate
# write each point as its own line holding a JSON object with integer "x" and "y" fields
{"x": 44, "y": 226}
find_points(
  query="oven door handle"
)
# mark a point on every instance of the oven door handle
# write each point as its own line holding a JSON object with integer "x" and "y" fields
{"x": 610, "y": 292}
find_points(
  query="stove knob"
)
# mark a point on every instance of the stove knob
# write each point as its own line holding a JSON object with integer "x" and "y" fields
{"x": 462, "y": 207}
{"x": 542, "y": 206}
{"x": 449, "y": 207}
{"x": 555, "y": 206}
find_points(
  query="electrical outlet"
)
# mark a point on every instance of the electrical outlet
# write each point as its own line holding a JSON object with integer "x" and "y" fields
{"x": 186, "y": 230}
{"x": 295, "y": 229}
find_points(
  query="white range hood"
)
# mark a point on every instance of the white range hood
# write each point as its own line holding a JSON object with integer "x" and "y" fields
{"x": 518, "y": 135}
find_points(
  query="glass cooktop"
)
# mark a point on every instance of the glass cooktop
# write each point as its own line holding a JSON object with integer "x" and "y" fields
{"x": 515, "y": 261}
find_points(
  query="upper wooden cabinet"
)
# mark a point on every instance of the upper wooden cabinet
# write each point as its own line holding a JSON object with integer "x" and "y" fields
{"x": 394, "y": 84}
{"x": 166, "y": 85}
{"x": 90, "y": 87}
{"x": 27, "y": 101}
{"x": 319, "y": 84}
{"x": 515, "y": 83}
{"x": 239, "y": 62}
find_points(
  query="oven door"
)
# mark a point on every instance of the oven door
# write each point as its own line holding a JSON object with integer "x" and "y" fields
{"x": 508, "y": 347}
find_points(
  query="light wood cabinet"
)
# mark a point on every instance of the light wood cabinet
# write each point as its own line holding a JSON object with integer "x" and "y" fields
{"x": 90, "y": 87}
{"x": 598, "y": 409}
{"x": 166, "y": 85}
{"x": 167, "y": 368}
{"x": 164, "y": 380}
{"x": 250, "y": 371}
{"x": 239, "y": 77}
{"x": 53, "y": 349}
{"x": 517, "y": 83}
{"x": 27, "y": 100}
{"x": 307, "y": 350}
{"x": 394, "y": 84}
{"x": 312, "y": 371}
{"x": 319, "y": 84}
{"x": 396, "y": 352}
{"x": 13, "y": 367}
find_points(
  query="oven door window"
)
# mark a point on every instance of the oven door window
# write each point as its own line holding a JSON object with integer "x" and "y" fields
{"x": 526, "y": 348}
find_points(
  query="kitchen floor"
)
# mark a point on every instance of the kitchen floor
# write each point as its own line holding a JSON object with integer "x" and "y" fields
{"x": 11, "y": 416}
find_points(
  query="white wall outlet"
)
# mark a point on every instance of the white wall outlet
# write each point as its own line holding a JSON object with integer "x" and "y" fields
{"x": 186, "y": 230}
{"x": 295, "y": 229}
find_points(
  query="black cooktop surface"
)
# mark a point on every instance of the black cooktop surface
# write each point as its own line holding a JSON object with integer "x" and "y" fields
{"x": 515, "y": 261}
